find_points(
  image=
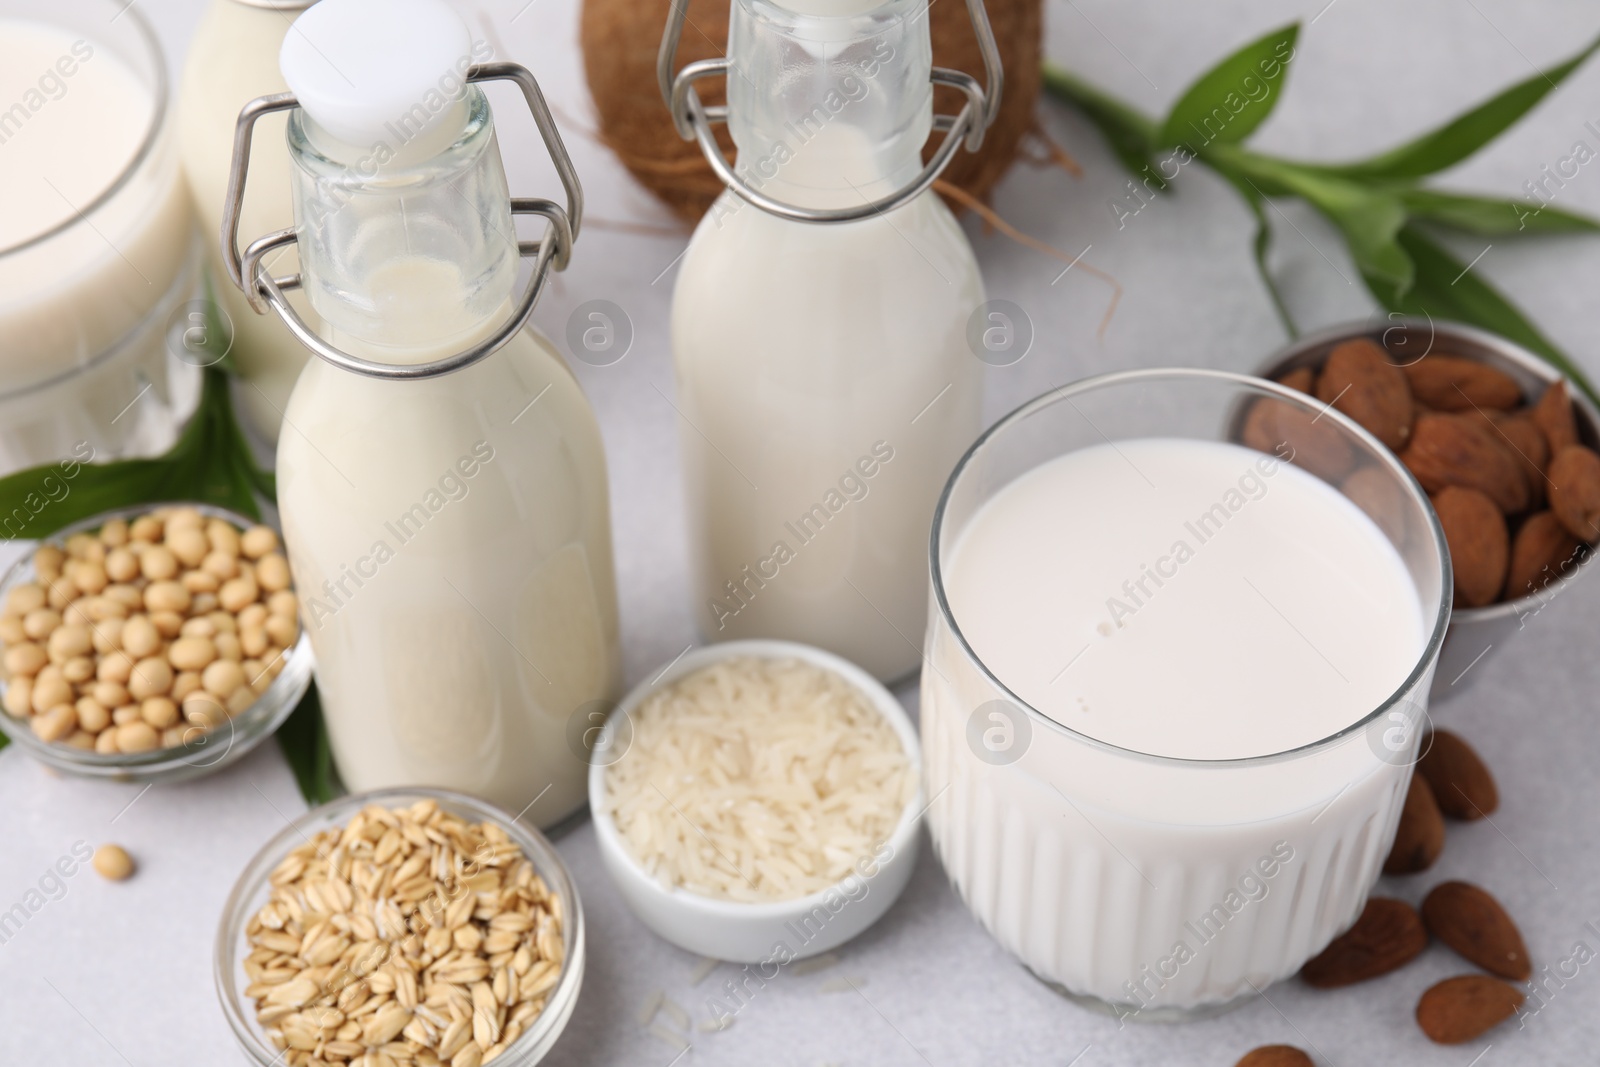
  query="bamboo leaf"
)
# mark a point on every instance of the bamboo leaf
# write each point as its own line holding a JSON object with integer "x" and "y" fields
{"x": 1493, "y": 217}
{"x": 1234, "y": 97}
{"x": 1260, "y": 245}
{"x": 1446, "y": 289}
{"x": 1130, "y": 135}
{"x": 1463, "y": 136}
{"x": 1370, "y": 220}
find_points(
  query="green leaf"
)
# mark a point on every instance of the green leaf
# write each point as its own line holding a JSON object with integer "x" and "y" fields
{"x": 1446, "y": 289}
{"x": 303, "y": 737}
{"x": 1369, "y": 218}
{"x": 1231, "y": 99}
{"x": 1130, "y": 135}
{"x": 1256, "y": 201}
{"x": 1493, "y": 217}
{"x": 1460, "y": 138}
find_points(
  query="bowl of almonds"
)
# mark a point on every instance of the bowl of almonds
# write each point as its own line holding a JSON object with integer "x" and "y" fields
{"x": 1506, "y": 448}
{"x": 402, "y": 926}
{"x": 150, "y": 644}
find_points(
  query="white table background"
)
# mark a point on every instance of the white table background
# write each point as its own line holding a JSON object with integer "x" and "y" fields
{"x": 121, "y": 974}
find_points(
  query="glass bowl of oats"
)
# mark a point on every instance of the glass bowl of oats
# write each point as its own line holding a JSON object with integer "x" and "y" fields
{"x": 154, "y": 643}
{"x": 407, "y": 926}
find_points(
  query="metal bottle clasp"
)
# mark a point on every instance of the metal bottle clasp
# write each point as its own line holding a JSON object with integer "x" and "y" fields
{"x": 552, "y": 250}
{"x": 694, "y": 119}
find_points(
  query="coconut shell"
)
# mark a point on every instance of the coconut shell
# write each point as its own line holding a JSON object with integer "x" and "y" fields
{"x": 620, "y": 38}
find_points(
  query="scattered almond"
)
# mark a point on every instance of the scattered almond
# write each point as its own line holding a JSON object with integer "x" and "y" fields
{"x": 1461, "y": 783}
{"x": 1553, "y": 414}
{"x": 1359, "y": 380}
{"x": 1539, "y": 551}
{"x": 1461, "y": 450}
{"x": 1450, "y": 383}
{"x": 1388, "y": 935}
{"x": 1474, "y": 924}
{"x": 1480, "y": 547}
{"x": 1575, "y": 490}
{"x": 1275, "y": 1056}
{"x": 1459, "y": 1009}
{"x": 1419, "y": 838}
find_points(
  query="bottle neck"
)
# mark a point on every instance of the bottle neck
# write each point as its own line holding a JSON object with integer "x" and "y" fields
{"x": 829, "y": 101}
{"x": 407, "y": 247}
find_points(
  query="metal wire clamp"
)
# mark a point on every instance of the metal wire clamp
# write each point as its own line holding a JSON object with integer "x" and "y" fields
{"x": 694, "y": 120}
{"x": 551, "y": 251}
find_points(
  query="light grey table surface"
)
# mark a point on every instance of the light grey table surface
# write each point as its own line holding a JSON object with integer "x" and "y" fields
{"x": 121, "y": 974}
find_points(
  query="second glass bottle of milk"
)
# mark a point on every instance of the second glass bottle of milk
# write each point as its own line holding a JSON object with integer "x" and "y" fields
{"x": 824, "y": 382}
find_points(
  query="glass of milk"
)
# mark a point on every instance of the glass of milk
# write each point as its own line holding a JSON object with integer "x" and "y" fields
{"x": 97, "y": 245}
{"x": 1182, "y": 632}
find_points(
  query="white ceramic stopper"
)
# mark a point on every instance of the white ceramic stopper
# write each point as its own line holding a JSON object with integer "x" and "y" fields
{"x": 362, "y": 68}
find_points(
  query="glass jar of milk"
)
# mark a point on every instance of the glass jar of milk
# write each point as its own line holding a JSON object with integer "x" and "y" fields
{"x": 1184, "y": 626}
{"x": 233, "y": 57}
{"x": 97, "y": 245}
{"x": 824, "y": 382}
{"x": 440, "y": 477}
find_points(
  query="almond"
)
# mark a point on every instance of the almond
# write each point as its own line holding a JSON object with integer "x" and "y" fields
{"x": 1473, "y": 923}
{"x": 1303, "y": 379}
{"x": 1553, "y": 414}
{"x": 1462, "y": 450}
{"x": 1275, "y": 1056}
{"x": 1388, "y": 935}
{"x": 1359, "y": 380}
{"x": 1539, "y": 552}
{"x": 1575, "y": 491}
{"x": 1459, "y": 1009}
{"x": 1300, "y": 436}
{"x": 1526, "y": 441}
{"x": 1480, "y": 547}
{"x": 1450, "y": 383}
{"x": 1419, "y": 838}
{"x": 1461, "y": 783}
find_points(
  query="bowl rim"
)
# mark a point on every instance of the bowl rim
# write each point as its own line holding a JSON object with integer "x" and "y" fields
{"x": 547, "y": 863}
{"x": 1306, "y": 350}
{"x": 278, "y": 700}
{"x": 698, "y": 904}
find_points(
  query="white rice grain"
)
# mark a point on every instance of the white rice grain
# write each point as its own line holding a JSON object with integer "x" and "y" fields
{"x": 758, "y": 779}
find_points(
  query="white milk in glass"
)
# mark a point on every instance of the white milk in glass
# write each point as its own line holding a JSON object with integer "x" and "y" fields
{"x": 1185, "y": 599}
{"x": 824, "y": 382}
{"x": 95, "y": 239}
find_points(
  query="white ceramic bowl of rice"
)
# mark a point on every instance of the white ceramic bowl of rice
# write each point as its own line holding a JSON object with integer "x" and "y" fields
{"x": 714, "y": 852}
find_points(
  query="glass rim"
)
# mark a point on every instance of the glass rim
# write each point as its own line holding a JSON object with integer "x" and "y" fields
{"x": 1425, "y": 660}
{"x": 159, "y": 118}
{"x": 786, "y": 20}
